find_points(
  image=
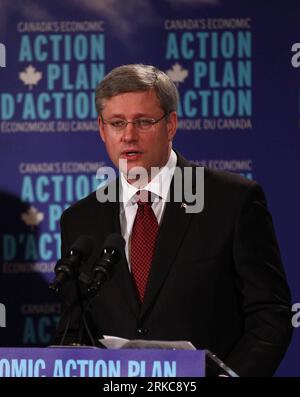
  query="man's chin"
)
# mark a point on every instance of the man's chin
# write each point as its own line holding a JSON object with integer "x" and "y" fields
{"x": 127, "y": 165}
{"x": 134, "y": 172}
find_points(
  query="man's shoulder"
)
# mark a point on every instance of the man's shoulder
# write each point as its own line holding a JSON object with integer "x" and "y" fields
{"x": 223, "y": 190}
{"x": 218, "y": 179}
{"x": 231, "y": 191}
{"x": 88, "y": 205}
{"x": 227, "y": 179}
{"x": 82, "y": 206}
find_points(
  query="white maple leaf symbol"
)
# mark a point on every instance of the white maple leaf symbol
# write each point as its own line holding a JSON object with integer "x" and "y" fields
{"x": 32, "y": 217}
{"x": 30, "y": 76}
{"x": 177, "y": 73}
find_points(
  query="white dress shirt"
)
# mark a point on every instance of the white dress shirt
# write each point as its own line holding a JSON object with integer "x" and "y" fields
{"x": 159, "y": 186}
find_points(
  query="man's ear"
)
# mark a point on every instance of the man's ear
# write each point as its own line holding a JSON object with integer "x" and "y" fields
{"x": 172, "y": 125}
{"x": 101, "y": 129}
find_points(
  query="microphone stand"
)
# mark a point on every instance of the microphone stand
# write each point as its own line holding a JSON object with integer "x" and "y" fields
{"x": 93, "y": 292}
{"x": 66, "y": 269}
{"x": 57, "y": 288}
{"x": 84, "y": 323}
{"x": 67, "y": 312}
{"x": 61, "y": 342}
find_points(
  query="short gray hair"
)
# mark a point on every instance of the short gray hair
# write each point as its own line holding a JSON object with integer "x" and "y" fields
{"x": 137, "y": 77}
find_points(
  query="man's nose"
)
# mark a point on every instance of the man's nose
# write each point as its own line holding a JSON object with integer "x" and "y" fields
{"x": 130, "y": 133}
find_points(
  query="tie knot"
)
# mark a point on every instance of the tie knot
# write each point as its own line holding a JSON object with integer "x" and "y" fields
{"x": 143, "y": 197}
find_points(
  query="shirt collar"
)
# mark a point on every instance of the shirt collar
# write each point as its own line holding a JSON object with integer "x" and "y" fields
{"x": 159, "y": 185}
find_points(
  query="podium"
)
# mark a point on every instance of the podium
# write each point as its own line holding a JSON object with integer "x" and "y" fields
{"x": 66, "y": 362}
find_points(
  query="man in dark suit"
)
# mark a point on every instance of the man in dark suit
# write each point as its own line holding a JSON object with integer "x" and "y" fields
{"x": 213, "y": 277}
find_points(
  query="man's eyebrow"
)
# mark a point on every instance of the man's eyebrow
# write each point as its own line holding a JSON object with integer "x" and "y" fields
{"x": 137, "y": 115}
{"x": 116, "y": 115}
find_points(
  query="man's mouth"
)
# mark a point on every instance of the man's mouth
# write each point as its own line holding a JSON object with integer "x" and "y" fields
{"x": 131, "y": 154}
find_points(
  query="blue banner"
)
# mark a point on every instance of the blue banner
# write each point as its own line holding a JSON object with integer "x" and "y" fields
{"x": 237, "y": 69}
{"x": 97, "y": 363}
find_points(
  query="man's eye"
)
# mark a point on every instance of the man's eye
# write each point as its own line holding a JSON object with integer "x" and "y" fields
{"x": 144, "y": 122}
{"x": 117, "y": 123}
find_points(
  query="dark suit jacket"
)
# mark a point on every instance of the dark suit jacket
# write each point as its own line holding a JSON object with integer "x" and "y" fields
{"x": 216, "y": 279}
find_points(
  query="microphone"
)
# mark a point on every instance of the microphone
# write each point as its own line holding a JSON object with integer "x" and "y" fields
{"x": 111, "y": 254}
{"x": 67, "y": 268}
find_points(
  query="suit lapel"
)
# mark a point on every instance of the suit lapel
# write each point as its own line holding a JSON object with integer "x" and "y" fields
{"x": 173, "y": 228}
{"x": 123, "y": 278}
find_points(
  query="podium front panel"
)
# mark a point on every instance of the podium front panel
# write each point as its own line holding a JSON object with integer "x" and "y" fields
{"x": 93, "y": 362}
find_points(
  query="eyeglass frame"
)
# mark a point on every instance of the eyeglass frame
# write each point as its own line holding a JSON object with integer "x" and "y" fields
{"x": 134, "y": 122}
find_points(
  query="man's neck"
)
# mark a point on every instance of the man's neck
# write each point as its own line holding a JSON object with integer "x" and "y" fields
{"x": 144, "y": 178}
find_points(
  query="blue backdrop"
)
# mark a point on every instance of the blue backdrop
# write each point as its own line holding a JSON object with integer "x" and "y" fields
{"x": 239, "y": 111}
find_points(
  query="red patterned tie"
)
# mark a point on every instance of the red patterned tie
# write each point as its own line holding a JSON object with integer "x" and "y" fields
{"x": 143, "y": 241}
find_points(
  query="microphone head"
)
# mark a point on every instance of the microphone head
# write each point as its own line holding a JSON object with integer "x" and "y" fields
{"x": 83, "y": 245}
{"x": 114, "y": 241}
{"x": 113, "y": 248}
{"x": 67, "y": 268}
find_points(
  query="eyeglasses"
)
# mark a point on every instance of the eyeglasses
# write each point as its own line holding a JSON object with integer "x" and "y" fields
{"x": 142, "y": 123}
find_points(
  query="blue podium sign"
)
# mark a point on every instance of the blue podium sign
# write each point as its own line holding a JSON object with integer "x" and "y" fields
{"x": 93, "y": 362}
